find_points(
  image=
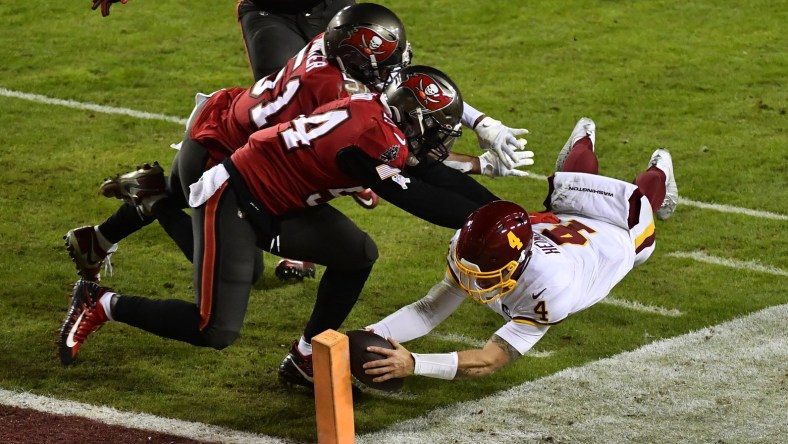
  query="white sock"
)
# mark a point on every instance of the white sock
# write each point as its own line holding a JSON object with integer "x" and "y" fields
{"x": 103, "y": 242}
{"x": 105, "y": 301}
{"x": 304, "y": 347}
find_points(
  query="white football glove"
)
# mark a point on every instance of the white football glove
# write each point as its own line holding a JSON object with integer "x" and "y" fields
{"x": 492, "y": 165}
{"x": 494, "y": 136}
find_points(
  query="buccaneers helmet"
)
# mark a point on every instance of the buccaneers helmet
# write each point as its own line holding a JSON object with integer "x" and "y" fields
{"x": 492, "y": 250}
{"x": 368, "y": 42}
{"x": 427, "y": 107}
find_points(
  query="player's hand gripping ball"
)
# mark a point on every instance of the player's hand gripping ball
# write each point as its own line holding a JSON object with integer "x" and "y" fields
{"x": 359, "y": 341}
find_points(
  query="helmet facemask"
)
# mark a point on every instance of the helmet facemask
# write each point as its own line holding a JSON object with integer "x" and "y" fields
{"x": 492, "y": 250}
{"x": 428, "y": 140}
{"x": 487, "y": 286}
{"x": 391, "y": 74}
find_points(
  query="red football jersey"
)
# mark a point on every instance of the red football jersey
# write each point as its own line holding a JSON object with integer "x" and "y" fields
{"x": 293, "y": 165}
{"x": 230, "y": 116}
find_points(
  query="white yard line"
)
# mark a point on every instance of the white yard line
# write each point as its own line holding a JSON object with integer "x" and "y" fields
{"x": 479, "y": 343}
{"x": 732, "y": 263}
{"x": 637, "y": 306}
{"x": 458, "y": 338}
{"x": 732, "y": 209}
{"x": 90, "y": 106}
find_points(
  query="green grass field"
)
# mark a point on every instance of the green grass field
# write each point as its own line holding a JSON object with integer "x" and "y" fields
{"x": 706, "y": 79}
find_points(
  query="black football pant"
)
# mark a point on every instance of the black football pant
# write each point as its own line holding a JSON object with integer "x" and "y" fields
{"x": 271, "y": 39}
{"x": 227, "y": 260}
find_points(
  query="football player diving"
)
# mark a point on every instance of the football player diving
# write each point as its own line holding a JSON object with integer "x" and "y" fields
{"x": 535, "y": 270}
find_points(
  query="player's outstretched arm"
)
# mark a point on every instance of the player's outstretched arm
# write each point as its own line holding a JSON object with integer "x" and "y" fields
{"x": 105, "y": 4}
{"x": 489, "y": 164}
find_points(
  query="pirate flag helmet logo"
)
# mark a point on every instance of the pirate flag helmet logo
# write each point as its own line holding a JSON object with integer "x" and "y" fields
{"x": 368, "y": 42}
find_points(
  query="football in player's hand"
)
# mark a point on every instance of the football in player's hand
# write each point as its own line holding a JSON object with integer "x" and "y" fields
{"x": 359, "y": 341}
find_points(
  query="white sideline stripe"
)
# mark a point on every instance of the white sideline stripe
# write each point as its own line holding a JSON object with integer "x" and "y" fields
{"x": 733, "y": 263}
{"x": 142, "y": 421}
{"x": 90, "y": 106}
{"x": 477, "y": 343}
{"x": 637, "y": 306}
{"x": 724, "y": 383}
{"x": 144, "y": 115}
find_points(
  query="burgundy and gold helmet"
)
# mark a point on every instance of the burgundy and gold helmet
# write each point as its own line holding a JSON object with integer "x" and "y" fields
{"x": 368, "y": 42}
{"x": 427, "y": 106}
{"x": 493, "y": 249}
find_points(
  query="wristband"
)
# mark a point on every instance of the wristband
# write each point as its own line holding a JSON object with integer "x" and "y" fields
{"x": 459, "y": 165}
{"x": 435, "y": 365}
{"x": 486, "y": 167}
{"x": 478, "y": 120}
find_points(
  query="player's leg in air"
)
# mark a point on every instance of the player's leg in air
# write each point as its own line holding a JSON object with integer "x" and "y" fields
{"x": 227, "y": 262}
{"x": 142, "y": 190}
{"x": 657, "y": 183}
{"x": 578, "y": 155}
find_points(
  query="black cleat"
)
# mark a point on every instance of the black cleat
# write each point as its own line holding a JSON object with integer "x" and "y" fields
{"x": 143, "y": 187}
{"x": 296, "y": 369}
{"x": 85, "y": 315}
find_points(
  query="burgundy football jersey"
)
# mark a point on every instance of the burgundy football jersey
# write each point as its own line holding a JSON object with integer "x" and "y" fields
{"x": 230, "y": 116}
{"x": 293, "y": 165}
